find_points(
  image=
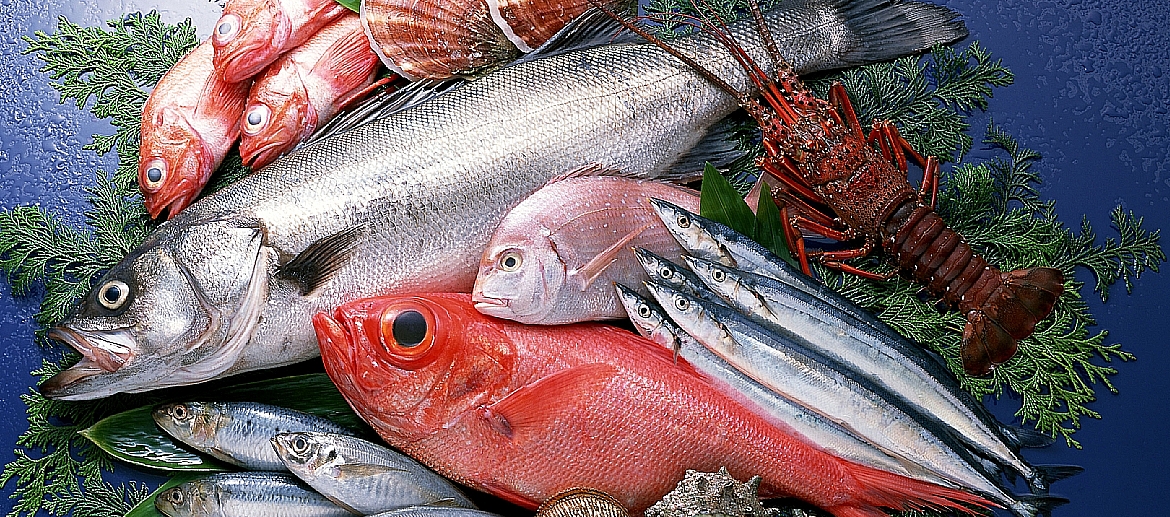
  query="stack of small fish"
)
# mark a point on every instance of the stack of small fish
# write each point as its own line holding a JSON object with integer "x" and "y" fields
{"x": 808, "y": 358}
{"x": 336, "y": 473}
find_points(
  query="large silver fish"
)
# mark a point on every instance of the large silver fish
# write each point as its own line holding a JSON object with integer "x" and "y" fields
{"x": 408, "y": 202}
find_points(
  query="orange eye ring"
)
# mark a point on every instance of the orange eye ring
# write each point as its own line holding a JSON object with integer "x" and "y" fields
{"x": 408, "y": 333}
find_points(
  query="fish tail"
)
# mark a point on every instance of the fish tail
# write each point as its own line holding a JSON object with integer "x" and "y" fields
{"x": 880, "y": 489}
{"x": 884, "y": 30}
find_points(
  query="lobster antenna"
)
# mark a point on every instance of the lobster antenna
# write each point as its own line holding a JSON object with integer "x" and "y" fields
{"x": 766, "y": 35}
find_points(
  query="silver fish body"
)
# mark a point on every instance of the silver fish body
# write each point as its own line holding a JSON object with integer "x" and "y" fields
{"x": 364, "y": 477}
{"x": 435, "y": 511}
{"x": 407, "y": 202}
{"x": 650, "y": 321}
{"x": 663, "y": 271}
{"x": 239, "y": 433}
{"x": 815, "y": 382}
{"x": 245, "y": 494}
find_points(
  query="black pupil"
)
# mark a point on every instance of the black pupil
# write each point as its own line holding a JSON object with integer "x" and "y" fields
{"x": 225, "y": 27}
{"x": 510, "y": 261}
{"x": 154, "y": 174}
{"x": 255, "y": 118}
{"x": 113, "y": 293}
{"x": 299, "y": 444}
{"x": 410, "y": 328}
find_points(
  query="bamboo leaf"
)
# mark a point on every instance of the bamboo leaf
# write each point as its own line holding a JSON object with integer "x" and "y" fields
{"x": 133, "y": 437}
{"x": 719, "y": 202}
{"x": 770, "y": 226}
{"x": 352, "y": 5}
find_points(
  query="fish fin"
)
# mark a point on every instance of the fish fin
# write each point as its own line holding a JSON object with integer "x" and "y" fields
{"x": 881, "y": 31}
{"x": 1035, "y": 505}
{"x": 221, "y": 100}
{"x": 593, "y": 28}
{"x": 1022, "y": 437}
{"x": 717, "y": 147}
{"x": 1050, "y": 474}
{"x": 382, "y": 105}
{"x": 342, "y": 504}
{"x": 527, "y": 410}
{"x": 313, "y": 266}
{"x": 367, "y": 469}
{"x": 590, "y": 170}
{"x": 881, "y": 489}
{"x": 597, "y": 265}
{"x": 350, "y": 56}
{"x": 985, "y": 344}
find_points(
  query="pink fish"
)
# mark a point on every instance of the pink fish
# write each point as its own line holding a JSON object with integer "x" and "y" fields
{"x": 189, "y": 123}
{"x": 251, "y": 34}
{"x": 526, "y": 412}
{"x": 555, "y": 256}
{"x": 305, "y": 88}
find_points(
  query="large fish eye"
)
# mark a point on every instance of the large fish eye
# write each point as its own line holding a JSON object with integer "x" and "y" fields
{"x": 227, "y": 28}
{"x": 409, "y": 328}
{"x": 718, "y": 275}
{"x": 256, "y": 119}
{"x": 666, "y": 272}
{"x": 113, "y": 294}
{"x": 175, "y": 497}
{"x": 300, "y": 445}
{"x": 683, "y": 221}
{"x": 644, "y": 311}
{"x": 407, "y": 333}
{"x": 154, "y": 175}
{"x": 681, "y": 303}
{"x": 179, "y": 412}
{"x": 510, "y": 261}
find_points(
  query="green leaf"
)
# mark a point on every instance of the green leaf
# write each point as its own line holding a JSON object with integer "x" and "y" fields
{"x": 770, "y": 226}
{"x": 146, "y": 507}
{"x": 133, "y": 437}
{"x": 719, "y": 202}
{"x": 352, "y": 5}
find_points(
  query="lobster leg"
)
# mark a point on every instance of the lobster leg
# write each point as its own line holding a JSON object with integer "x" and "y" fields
{"x": 839, "y": 99}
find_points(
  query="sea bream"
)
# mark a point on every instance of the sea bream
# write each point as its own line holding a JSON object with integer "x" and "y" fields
{"x": 408, "y": 201}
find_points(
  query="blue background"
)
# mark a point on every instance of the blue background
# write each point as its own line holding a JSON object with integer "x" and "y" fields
{"x": 1091, "y": 95}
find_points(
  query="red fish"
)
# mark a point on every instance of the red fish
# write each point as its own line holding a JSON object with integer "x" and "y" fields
{"x": 525, "y": 412}
{"x": 305, "y": 88}
{"x": 251, "y": 34}
{"x": 189, "y": 123}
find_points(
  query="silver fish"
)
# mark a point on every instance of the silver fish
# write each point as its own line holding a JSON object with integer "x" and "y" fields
{"x": 245, "y": 494}
{"x": 239, "y": 433}
{"x": 812, "y": 381}
{"x": 662, "y": 271}
{"x": 553, "y": 258}
{"x": 407, "y": 202}
{"x": 364, "y": 477}
{"x": 435, "y": 511}
{"x": 652, "y": 322}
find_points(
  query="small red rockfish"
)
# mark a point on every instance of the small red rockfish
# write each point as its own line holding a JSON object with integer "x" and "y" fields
{"x": 189, "y": 123}
{"x": 305, "y": 88}
{"x": 526, "y": 412}
{"x": 251, "y": 34}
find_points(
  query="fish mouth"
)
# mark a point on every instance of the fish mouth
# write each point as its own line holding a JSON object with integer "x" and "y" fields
{"x": 336, "y": 352}
{"x": 156, "y": 205}
{"x": 262, "y": 155}
{"x": 104, "y": 352}
{"x": 491, "y": 306}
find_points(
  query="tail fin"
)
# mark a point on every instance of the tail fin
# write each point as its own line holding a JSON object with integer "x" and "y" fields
{"x": 1037, "y": 505}
{"x": 886, "y": 490}
{"x": 884, "y": 29}
{"x": 985, "y": 344}
{"x": 1029, "y": 295}
{"x": 1049, "y": 474}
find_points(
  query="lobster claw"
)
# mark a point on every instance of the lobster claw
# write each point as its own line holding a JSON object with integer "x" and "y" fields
{"x": 985, "y": 344}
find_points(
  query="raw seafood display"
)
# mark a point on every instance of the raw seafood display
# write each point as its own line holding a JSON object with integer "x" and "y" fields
{"x": 407, "y": 202}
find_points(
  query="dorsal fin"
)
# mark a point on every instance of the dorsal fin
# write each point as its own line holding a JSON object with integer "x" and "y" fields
{"x": 594, "y": 28}
{"x": 383, "y": 105}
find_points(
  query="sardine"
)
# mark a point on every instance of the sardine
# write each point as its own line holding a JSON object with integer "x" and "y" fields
{"x": 364, "y": 477}
{"x": 662, "y": 271}
{"x": 246, "y": 494}
{"x": 407, "y": 202}
{"x": 239, "y": 433}
{"x": 554, "y": 257}
{"x": 813, "y": 381}
{"x": 652, "y": 322}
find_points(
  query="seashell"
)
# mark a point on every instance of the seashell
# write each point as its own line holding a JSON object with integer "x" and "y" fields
{"x": 582, "y": 502}
{"x": 436, "y": 39}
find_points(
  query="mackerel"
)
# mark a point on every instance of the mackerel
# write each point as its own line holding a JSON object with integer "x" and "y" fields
{"x": 407, "y": 202}
{"x": 246, "y": 494}
{"x": 652, "y": 322}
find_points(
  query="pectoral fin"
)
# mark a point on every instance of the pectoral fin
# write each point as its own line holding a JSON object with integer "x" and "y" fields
{"x": 539, "y": 406}
{"x": 313, "y": 266}
{"x": 597, "y": 265}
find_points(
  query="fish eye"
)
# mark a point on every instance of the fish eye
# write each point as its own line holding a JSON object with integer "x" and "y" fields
{"x": 410, "y": 328}
{"x": 681, "y": 303}
{"x": 718, "y": 275}
{"x": 256, "y": 119}
{"x": 113, "y": 294}
{"x": 683, "y": 221}
{"x": 226, "y": 28}
{"x": 300, "y": 445}
{"x": 407, "y": 333}
{"x": 644, "y": 310}
{"x": 179, "y": 412}
{"x": 155, "y": 174}
{"x": 511, "y": 260}
{"x": 666, "y": 273}
{"x": 175, "y": 497}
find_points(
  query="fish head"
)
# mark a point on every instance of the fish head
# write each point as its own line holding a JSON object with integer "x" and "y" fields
{"x": 278, "y": 116}
{"x": 188, "y": 499}
{"x": 248, "y": 37}
{"x": 193, "y": 423}
{"x": 173, "y": 312}
{"x": 412, "y": 364}
{"x": 647, "y": 317}
{"x": 306, "y": 452}
{"x": 521, "y": 276}
{"x": 174, "y": 163}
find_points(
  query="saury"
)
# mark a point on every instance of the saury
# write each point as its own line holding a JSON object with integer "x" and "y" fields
{"x": 408, "y": 202}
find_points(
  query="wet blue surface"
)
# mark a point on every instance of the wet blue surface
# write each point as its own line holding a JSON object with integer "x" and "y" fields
{"x": 1091, "y": 94}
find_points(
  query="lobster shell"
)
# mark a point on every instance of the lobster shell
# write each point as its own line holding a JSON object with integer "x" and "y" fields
{"x": 435, "y": 39}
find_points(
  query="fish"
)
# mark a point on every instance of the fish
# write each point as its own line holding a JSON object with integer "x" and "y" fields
{"x": 245, "y": 494}
{"x": 363, "y": 477}
{"x": 189, "y": 123}
{"x": 528, "y": 411}
{"x": 554, "y": 257}
{"x": 651, "y": 321}
{"x": 239, "y": 433}
{"x": 435, "y": 511}
{"x": 662, "y": 271}
{"x": 305, "y": 88}
{"x": 252, "y": 34}
{"x": 819, "y": 384}
{"x": 408, "y": 201}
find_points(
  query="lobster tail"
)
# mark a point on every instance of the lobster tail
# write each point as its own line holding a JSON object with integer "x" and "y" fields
{"x": 1011, "y": 310}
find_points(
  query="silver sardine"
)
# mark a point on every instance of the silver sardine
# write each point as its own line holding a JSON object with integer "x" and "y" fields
{"x": 239, "y": 433}
{"x": 364, "y": 477}
{"x": 246, "y": 494}
{"x": 408, "y": 201}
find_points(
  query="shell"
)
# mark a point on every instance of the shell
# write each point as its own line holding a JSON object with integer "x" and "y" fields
{"x": 582, "y": 502}
{"x": 436, "y": 39}
{"x": 703, "y": 494}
